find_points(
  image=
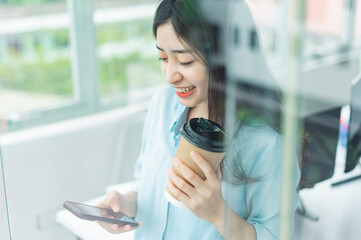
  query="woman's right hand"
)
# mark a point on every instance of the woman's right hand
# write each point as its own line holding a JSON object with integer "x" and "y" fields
{"x": 118, "y": 203}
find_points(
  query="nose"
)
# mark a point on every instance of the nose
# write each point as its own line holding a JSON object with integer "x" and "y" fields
{"x": 172, "y": 73}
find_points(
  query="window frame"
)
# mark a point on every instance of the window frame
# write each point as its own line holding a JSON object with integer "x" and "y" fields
{"x": 86, "y": 98}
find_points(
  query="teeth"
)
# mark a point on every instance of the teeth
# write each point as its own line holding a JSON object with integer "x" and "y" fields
{"x": 184, "y": 90}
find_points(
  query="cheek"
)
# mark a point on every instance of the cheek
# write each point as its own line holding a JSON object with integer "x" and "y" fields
{"x": 205, "y": 87}
{"x": 163, "y": 68}
{"x": 203, "y": 80}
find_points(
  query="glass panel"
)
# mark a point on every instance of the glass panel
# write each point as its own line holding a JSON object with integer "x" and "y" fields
{"x": 35, "y": 71}
{"x": 261, "y": 156}
{"x": 323, "y": 27}
{"x": 266, "y": 18}
{"x": 4, "y": 217}
{"x": 287, "y": 171}
{"x": 316, "y": 94}
{"x": 127, "y": 57}
{"x": 357, "y": 29}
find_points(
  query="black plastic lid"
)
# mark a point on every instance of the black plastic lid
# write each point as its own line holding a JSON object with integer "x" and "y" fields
{"x": 204, "y": 134}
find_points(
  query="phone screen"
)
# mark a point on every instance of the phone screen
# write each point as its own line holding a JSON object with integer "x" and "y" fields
{"x": 98, "y": 212}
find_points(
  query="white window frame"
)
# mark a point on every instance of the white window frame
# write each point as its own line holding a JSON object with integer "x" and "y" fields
{"x": 84, "y": 66}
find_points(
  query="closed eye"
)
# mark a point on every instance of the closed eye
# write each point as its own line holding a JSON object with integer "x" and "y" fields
{"x": 186, "y": 63}
{"x": 162, "y": 59}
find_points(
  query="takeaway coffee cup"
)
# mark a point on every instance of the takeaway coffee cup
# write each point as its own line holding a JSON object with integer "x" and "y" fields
{"x": 205, "y": 137}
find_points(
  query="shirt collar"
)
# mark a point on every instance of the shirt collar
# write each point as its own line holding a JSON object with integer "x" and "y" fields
{"x": 179, "y": 118}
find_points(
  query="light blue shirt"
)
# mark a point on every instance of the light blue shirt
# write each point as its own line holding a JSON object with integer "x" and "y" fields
{"x": 260, "y": 148}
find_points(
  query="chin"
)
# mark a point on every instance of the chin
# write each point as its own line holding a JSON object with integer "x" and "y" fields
{"x": 186, "y": 103}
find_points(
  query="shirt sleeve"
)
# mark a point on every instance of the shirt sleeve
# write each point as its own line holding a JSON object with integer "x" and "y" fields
{"x": 264, "y": 196}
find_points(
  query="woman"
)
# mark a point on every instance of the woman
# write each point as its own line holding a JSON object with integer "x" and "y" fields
{"x": 247, "y": 195}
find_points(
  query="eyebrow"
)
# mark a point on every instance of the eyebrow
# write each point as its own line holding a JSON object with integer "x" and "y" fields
{"x": 173, "y": 51}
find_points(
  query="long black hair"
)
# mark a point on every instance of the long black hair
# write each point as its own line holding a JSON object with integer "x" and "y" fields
{"x": 203, "y": 37}
{"x": 193, "y": 30}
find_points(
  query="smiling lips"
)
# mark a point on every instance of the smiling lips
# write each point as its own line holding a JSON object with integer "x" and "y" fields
{"x": 184, "y": 92}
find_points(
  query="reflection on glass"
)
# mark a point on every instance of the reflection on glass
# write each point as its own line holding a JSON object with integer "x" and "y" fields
{"x": 354, "y": 131}
{"x": 357, "y": 26}
{"x": 246, "y": 99}
{"x": 323, "y": 25}
{"x": 321, "y": 131}
{"x": 254, "y": 162}
{"x": 267, "y": 22}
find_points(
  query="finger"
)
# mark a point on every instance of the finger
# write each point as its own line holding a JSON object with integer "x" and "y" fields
{"x": 124, "y": 228}
{"x": 187, "y": 173}
{"x": 112, "y": 228}
{"x": 174, "y": 191}
{"x": 219, "y": 173}
{"x": 104, "y": 212}
{"x": 115, "y": 228}
{"x": 203, "y": 165}
{"x": 103, "y": 203}
{"x": 181, "y": 184}
{"x": 113, "y": 200}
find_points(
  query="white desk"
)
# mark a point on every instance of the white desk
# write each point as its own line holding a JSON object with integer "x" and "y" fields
{"x": 338, "y": 207}
{"x": 88, "y": 230}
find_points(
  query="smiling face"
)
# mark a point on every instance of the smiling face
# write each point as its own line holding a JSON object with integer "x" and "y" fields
{"x": 182, "y": 68}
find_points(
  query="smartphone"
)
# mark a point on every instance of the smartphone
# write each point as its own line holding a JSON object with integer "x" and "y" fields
{"x": 93, "y": 213}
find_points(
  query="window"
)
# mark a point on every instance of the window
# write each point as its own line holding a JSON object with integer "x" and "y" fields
{"x": 35, "y": 67}
{"x": 73, "y": 58}
{"x": 126, "y": 53}
{"x": 331, "y": 29}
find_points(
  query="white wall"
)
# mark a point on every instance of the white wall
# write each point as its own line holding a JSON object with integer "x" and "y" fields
{"x": 72, "y": 160}
{"x": 327, "y": 85}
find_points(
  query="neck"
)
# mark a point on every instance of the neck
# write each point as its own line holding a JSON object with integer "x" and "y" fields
{"x": 199, "y": 111}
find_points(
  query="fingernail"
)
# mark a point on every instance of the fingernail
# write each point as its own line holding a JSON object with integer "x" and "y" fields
{"x": 115, "y": 208}
{"x": 193, "y": 154}
{"x": 115, "y": 227}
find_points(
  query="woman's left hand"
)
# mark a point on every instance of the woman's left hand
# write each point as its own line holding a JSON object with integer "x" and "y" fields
{"x": 205, "y": 199}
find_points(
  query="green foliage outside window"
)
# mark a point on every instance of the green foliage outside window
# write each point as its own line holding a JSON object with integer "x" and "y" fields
{"x": 42, "y": 77}
{"x": 40, "y": 62}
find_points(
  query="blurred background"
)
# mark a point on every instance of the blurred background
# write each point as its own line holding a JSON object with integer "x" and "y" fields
{"x": 75, "y": 80}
